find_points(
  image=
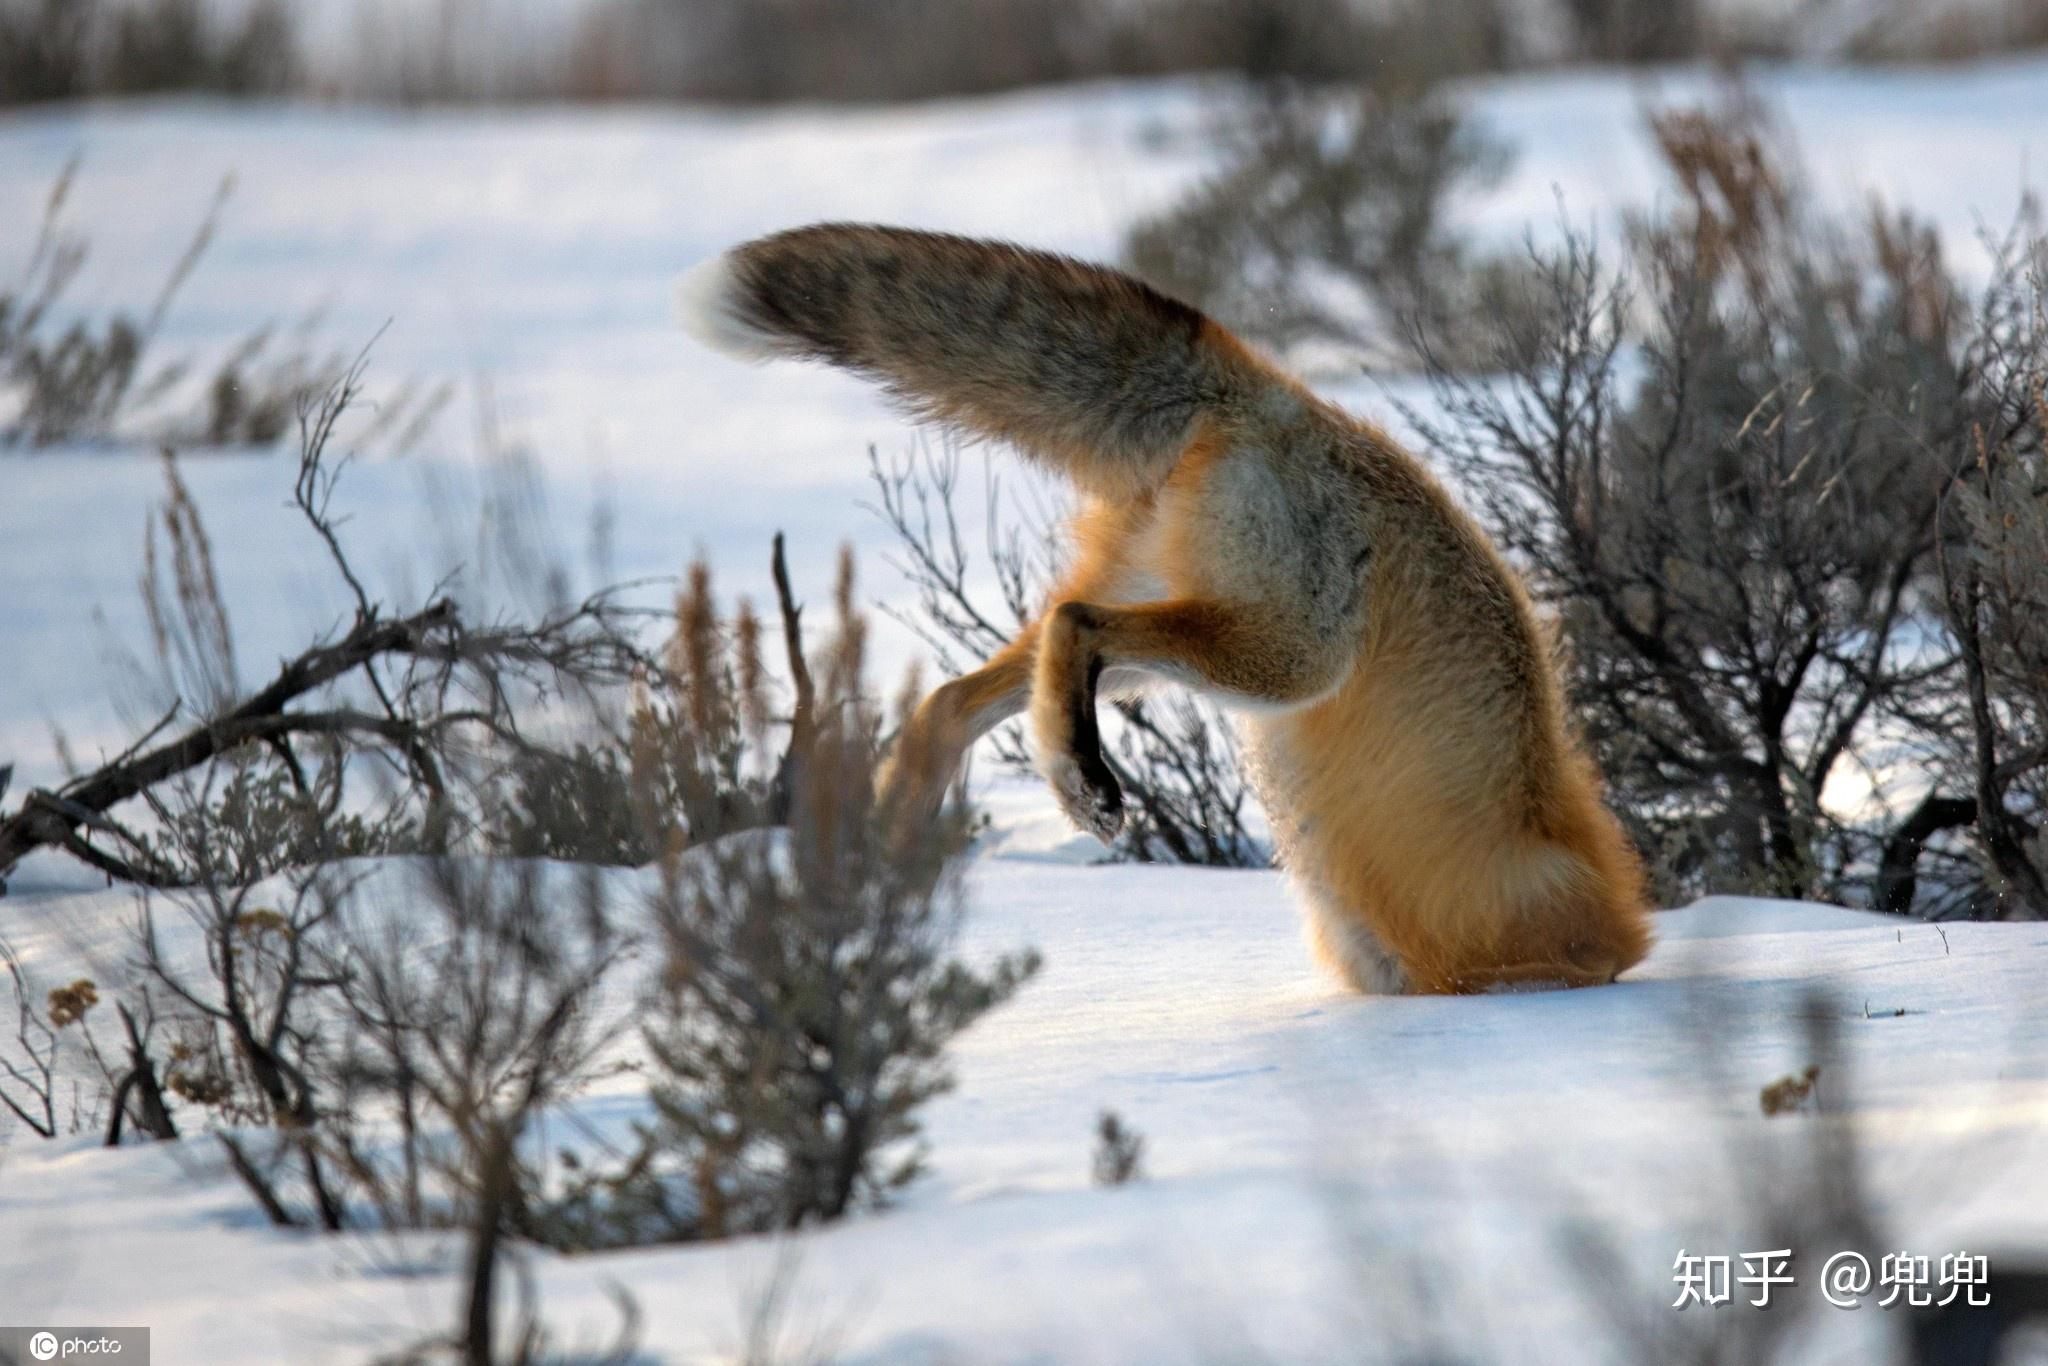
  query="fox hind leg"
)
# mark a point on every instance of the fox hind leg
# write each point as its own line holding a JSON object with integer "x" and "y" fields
{"x": 1214, "y": 647}
{"x": 928, "y": 750}
{"x": 1069, "y": 740}
{"x": 936, "y": 737}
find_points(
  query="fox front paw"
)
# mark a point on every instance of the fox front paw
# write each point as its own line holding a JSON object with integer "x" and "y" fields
{"x": 1089, "y": 794}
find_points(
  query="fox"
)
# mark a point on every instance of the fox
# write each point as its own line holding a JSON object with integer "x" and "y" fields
{"x": 1401, "y": 703}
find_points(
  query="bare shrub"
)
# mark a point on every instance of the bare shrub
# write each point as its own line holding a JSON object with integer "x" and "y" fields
{"x": 78, "y": 380}
{"x": 807, "y": 989}
{"x": 257, "y": 820}
{"x": 466, "y": 1025}
{"x": 412, "y": 700}
{"x": 33, "y": 1068}
{"x": 1995, "y": 582}
{"x": 100, "y": 379}
{"x": 1328, "y": 221}
{"x": 824, "y": 49}
{"x": 364, "y": 1064}
{"x": 249, "y": 1047}
{"x": 259, "y": 388}
{"x": 689, "y": 761}
{"x": 1721, "y": 463}
{"x": 1176, "y": 759}
{"x": 360, "y": 1065}
{"x": 1119, "y": 1151}
{"x": 761, "y": 50}
{"x": 388, "y": 1063}
{"x": 135, "y": 1088}
{"x": 577, "y": 806}
{"x": 368, "y": 1064}
{"x": 29, "y": 1088}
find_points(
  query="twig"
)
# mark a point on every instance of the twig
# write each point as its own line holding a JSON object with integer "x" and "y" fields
{"x": 803, "y": 721}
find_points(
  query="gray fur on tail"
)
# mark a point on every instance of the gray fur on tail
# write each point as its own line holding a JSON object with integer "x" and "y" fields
{"x": 1086, "y": 368}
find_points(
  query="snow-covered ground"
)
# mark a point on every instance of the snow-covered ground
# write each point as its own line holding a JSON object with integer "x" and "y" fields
{"x": 1307, "y": 1150}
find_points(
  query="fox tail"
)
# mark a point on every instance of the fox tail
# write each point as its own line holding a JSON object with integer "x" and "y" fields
{"x": 1084, "y": 368}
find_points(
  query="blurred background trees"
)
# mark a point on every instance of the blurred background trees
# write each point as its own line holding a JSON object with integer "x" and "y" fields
{"x": 766, "y": 50}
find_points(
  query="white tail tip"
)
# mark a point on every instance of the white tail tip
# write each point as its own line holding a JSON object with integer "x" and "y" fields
{"x": 707, "y": 305}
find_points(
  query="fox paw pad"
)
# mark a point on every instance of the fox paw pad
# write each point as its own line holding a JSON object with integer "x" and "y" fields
{"x": 1093, "y": 802}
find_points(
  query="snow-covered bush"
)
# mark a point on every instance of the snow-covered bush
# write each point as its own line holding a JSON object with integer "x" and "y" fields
{"x": 372, "y": 1061}
{"x": 1722, "y": 461}
{"x": 469, "y": 1019}
{"x": 1995, "y": 578}
{"x": 250, "y": 1041}
{"x": 28, "y": 1065}
{"x": 1329, "y": 221}
{"x": 102, "y": 378}
{"x": 808, "y": 986}
{"x": 1723, "y": 456}
{"x": 388, "y": 734}
{"x": 371, "y": 1055}
{"x": 1119, "y": 1151}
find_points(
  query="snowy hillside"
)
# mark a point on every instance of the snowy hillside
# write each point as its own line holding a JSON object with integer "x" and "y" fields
{"x": 1329, "y": 1177}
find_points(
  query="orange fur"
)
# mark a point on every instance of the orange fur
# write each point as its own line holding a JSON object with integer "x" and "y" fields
{"x": 1460, "y": 826}
{"x": 1459, "y": 823}
{"x": 1399, "y": 696}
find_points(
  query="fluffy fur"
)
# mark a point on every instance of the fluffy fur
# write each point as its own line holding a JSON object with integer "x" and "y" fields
{"x": 1243, "y": 538}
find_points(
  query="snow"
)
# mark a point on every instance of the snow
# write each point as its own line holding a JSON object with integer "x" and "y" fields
{"x": 1307, "y": 1150}
{"x": 1292, "y": 1129}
